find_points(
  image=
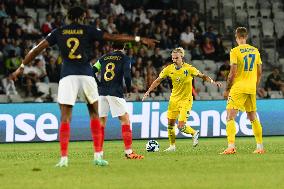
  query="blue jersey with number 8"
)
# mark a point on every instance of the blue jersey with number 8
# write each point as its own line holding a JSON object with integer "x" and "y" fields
{"x": 113, "y": 68}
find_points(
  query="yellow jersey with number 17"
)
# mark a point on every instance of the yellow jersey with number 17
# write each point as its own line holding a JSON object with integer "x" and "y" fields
{"x": 247, "y": 58}
{"x": 181, "y": 81}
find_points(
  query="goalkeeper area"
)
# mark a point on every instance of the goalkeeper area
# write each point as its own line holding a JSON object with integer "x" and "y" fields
{"x": 32, "y": 165}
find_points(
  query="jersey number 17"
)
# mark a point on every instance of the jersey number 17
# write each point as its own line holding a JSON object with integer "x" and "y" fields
{"x": 249, "y": 65}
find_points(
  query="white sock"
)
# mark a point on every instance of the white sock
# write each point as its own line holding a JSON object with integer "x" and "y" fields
{"x": 259, "y": 146}
{"x": 63, "y": 158}
{"x": 172, "y": 146}
{"x": 97, "y": 155}
{"x": 231, "y": 145}
{"x": 128, "y": 151}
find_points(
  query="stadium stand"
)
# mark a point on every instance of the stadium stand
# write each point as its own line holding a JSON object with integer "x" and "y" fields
{"x": 23, "y": 25}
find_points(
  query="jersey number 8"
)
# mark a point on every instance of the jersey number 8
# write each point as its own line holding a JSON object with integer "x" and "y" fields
{"x": 73, "y": 47}
{"x": 109, "y": 69}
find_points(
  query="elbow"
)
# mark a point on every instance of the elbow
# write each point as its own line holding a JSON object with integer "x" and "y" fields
{"x": 232, "y": 76}
{"x": 157, "y": 82}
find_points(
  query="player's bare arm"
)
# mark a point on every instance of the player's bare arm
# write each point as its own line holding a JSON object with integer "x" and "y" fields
{"x": 29, "y": 57}
{"x": 208, "y": 79}
{"x": 123, "y": 38}
{"x": 155, "y": 84}
{"x": 230, "y": 80}
{"x": 259, "y": 73}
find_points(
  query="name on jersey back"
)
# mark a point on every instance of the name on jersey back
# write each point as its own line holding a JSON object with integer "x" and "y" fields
{"x": 112, "y": 58}
{"x": 73, "y": 32}
{"x": 246, "y": 50}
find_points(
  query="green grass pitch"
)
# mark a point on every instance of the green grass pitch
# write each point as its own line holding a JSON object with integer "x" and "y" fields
{"x": 32, "y": 165}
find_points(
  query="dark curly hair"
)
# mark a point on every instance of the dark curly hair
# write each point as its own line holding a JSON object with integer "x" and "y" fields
{"x": 75, "y": 13}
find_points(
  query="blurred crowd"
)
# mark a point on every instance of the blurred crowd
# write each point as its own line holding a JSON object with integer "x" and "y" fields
{"x": 20, "y": 32}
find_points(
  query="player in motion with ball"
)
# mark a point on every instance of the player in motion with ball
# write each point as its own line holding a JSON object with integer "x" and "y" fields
{"x": 113, "y": 67}
{"x": 181, "y": 99}
{"x": 75, "y": 44}
{"x": 243, "y": 80}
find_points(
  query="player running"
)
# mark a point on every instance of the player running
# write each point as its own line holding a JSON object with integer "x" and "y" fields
{"x": 243, "y": 80}
{"x": 113, "y": 67}
{"x": 181, "y": 99}
{"x": 75, "y": 44}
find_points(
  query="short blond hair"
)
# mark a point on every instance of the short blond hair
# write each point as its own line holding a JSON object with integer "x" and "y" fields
{"x": 241, "y": 32}
{"x": 179, "y": 50}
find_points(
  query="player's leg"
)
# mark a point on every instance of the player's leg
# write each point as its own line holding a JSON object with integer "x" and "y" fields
{"x": 67, "y": 94}
{"x": 231, "y": 131}
{"x": 127, "y": 137}
{"x": 184, "y": 114}
{"x": 97, "y": 135}
{"x": 118, "y": 108}
{"x": 64, "y": 133}
{"x": 172, "y": 115}
{"x": 171, "y": 131}
{"x": 250, "y": 106}
{"x": 234, "y": 104}
{"x": 103, "y": 110}
{"x": 90, "y": 90}
{"x": 185, "y": 108}
{"x": 103, "y": 121}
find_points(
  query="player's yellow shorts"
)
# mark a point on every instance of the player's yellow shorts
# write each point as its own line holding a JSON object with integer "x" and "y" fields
{"x": 179, "y": 109}
{"x": 242, "y": 102}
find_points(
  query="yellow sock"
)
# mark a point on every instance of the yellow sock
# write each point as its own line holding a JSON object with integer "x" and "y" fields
{"x": 188, "y": 130}
{"x": 171, "y": 134}
{"x": 257, "y": 131}
{"x": 231, "y": 131}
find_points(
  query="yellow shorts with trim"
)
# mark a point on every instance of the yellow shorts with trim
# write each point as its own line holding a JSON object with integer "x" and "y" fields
{"x": 179, "y": 110}
{"x": 242, "y": 102}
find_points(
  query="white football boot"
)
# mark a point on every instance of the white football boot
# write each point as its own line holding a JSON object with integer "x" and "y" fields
{"x": 195, "y": 138}
{"x": 172, "y": 148}
{"x": 63, "y": 162}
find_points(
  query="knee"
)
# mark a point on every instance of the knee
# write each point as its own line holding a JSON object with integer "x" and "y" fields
{"x": 125, "y": 120}
{"x": 251, "y": 116}
{"x": 181, "y": 127}
{"x": 171, "y": 122}
{"x": 94, "y": 115}
{"x": 65, "y": 119}
{"x": 230, "y": 117}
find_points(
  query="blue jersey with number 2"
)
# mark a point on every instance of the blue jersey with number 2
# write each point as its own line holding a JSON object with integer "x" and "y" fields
{"x": 75, "y": 43}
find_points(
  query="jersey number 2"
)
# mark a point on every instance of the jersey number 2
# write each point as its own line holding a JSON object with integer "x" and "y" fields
{"x": 249, "y": 66}
{"x": 109, "y": 69}
{"x": 73, "y": 44}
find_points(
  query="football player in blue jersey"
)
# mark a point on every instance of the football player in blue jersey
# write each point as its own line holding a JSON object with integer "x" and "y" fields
{"x": 114, "y": 67}
{"x": 75, "y": 45}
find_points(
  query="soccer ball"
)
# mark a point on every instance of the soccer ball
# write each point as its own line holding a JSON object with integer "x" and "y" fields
{"x": 152, "y": 146}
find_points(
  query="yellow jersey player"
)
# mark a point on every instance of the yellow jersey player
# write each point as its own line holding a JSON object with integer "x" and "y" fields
{"x": 180, "y": 103}
{"x": 243, "y": 79}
